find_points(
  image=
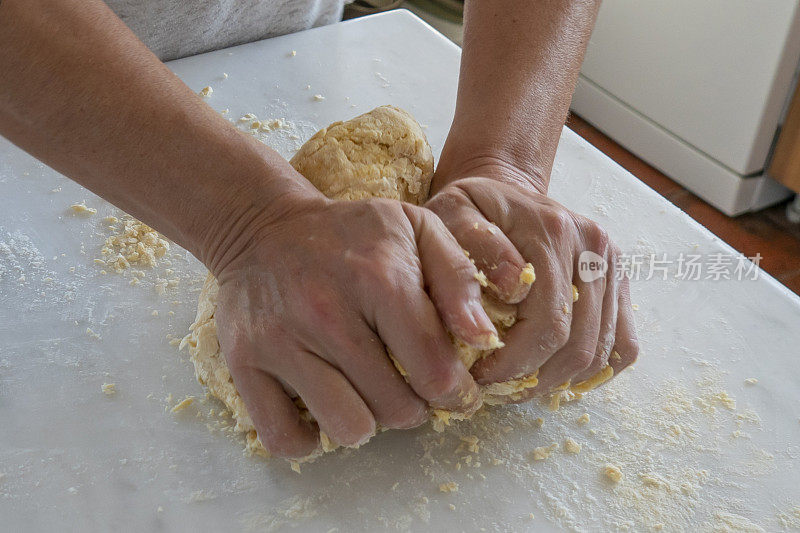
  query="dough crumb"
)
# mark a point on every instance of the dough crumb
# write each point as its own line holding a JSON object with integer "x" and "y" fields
{"x": 200, "y": 496}
{"x": 575, "y": 294}
{"x": 206, "y": 92}
{"x": 318, "y": 97}
{"x": 528, "y": 275}
{"x": 136, "y": 244}
{"x": 571, "y": 446}
{"x": 612, "y": 473}
{"x": 183, "y": 404}
{"x": 583, "y": 419}
{"x": 593, "y": 382}
{"x": 482, "y": 279}
{"x": 543, "y": 452}
{"x": 109, "y": 389}
{"x": 750, "y": 381}
{"x": 82, "y": 209}
{"x": 293, "y": 53}
{"x": 450, "y": 486}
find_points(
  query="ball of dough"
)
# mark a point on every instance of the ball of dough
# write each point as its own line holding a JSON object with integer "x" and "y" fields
{"x": 381, "y": 154}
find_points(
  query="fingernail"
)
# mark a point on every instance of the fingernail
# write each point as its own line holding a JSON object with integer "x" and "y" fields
{"x": 513, "y": 281}
{"x": 485, "y": 337}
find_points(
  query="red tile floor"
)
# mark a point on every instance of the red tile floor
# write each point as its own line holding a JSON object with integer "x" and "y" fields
{"x": 767, "y": 232}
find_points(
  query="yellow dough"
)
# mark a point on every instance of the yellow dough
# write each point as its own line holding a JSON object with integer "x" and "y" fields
{"x": 383, "y": 153}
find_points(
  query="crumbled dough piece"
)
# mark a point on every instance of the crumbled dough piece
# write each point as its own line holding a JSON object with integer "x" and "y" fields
{"x": 583, "y": 419}
{"x": 450, "y": 486}
{"x": 482, "y": 279}
{"x": 183, "y": 404}
{"x": 318, "y": 97}
{"x": 136, "y": 244}
{"x": 612, "y": 473}
{"x": 154, "y": 313}
{"x": 575, "y": 294}
{"x": 750, "y": 381}
{"x": 206, "y": 92}
{"x": 109, "y": 389}
{"x": 528, "y": 275}
{"x": 571, "y": 446}
{"x": 593, "y": 382}
{"x": 543, "y": 452}
{"x": 471, "y": 443}
{"x": 293, "y": 53}
{"x": 82, "y": 209}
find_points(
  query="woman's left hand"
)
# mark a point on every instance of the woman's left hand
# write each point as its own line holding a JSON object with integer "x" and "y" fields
{"x": 504, "y": 222}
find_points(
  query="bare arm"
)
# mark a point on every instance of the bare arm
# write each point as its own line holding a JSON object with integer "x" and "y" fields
{"x": 519, "y": 66}
{"x": 81, "y": 93}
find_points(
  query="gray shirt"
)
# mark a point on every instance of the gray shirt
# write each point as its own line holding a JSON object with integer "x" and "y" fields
{"x": 178, "y": 28}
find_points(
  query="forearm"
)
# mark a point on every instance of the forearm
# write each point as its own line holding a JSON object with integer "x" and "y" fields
{"x": 80, "y": 92}
{"x": 519, "y": 66}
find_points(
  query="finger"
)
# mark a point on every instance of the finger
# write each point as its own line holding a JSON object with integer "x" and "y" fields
{"x": 608, "y": 320}
{"x": 543, "y": 324}
{"x": 452, "y": 281}
{"x": 412, "y": 331}
{"x": 338, "y": 409}
{"x": 578, "y": 354}
{"x": 361, "y": 357}
{"x": 626, "y": 344}
{"x": 509, "y": 275}
{"x": 276, "y": 418}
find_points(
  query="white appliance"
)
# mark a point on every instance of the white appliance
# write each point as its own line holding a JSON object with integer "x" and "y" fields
{"x": 696, "y": 89}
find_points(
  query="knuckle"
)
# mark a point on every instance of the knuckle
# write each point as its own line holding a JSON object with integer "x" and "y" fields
{"x": 581, "y": 360}
{"x": 597, "y": 238}
{"x": 322, "y": 306}
{"x": 354, "y": 430}
{"x": 377, "y": 270}
{"x": 405, "y": 415}
{"x": 464, "y": 271}
{"x": 441, "y": 382}
{"x": 557, "y": 334}
{"x": 285, "y": 446}
{"x": 628, "y": 350}
{"x": 560, "y": 223}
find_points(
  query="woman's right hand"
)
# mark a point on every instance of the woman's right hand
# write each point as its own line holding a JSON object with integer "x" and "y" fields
{"x": 314, "y": 297}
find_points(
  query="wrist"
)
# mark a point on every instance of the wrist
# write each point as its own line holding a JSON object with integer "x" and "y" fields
{"x": 453, "y": 167}
{"x": 244, "y": 208}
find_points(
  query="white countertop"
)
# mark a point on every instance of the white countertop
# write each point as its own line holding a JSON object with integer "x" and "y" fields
{"x": 72, "y": 458}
